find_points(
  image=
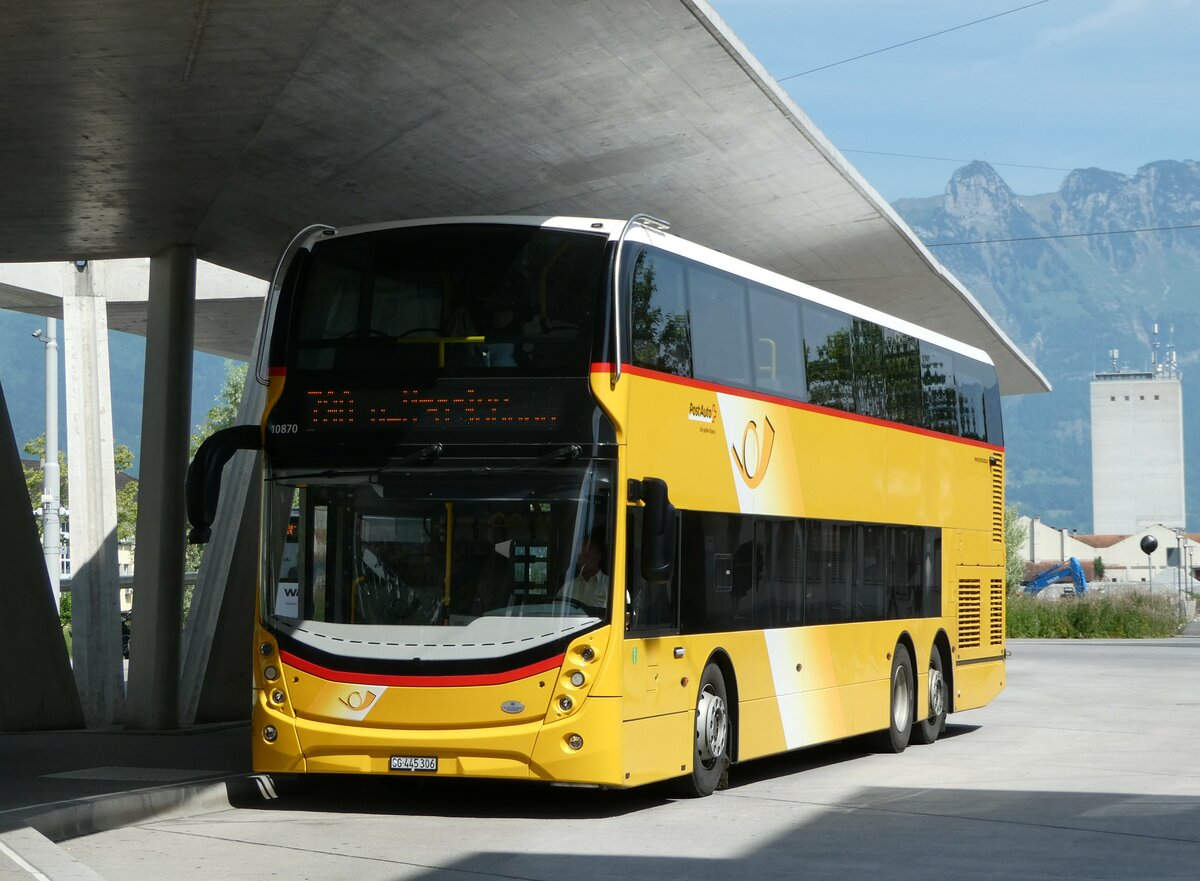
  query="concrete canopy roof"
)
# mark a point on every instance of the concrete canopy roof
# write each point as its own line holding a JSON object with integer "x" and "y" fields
{"x": 129, "y": 127}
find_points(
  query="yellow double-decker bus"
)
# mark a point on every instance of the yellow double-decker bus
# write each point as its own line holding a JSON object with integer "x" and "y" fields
{"x": 578, "y": 501}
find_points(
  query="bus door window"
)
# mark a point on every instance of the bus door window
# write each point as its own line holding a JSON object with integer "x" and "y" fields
{"x": 649, "y": 607}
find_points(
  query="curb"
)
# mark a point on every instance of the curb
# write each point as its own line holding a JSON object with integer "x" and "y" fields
{"x": 35, "y": 855}
{"x": 64, "y": 820}
{"x": 29, "y": 836}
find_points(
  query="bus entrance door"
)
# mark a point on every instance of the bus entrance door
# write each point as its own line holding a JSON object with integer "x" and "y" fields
{"x": 658, "y": 736}
{"x": 657, "y": 730}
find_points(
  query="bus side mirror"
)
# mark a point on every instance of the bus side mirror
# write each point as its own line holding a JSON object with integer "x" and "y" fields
{"x": 658, "y": 531}
{"x": 203, "y": 486}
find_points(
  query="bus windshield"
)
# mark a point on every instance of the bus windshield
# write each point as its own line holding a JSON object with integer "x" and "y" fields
{"x": 455, "y": 300}
{"x": 438, "y": 565}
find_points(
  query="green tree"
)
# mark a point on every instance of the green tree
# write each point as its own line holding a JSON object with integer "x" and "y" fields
{"x": 1015, "y": 534}
{"x": 126, "y": 496}
{"x": 222, "y": 414}
{"x": 1098, "y": 569}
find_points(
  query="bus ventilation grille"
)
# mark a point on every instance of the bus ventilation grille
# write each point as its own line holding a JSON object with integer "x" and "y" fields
{"x": 997, "y": 497}
{"x": 996, "y": 601}
{"x": 970, "y": 609}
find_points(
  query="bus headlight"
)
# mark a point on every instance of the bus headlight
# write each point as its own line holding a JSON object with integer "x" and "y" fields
{"x": 577, "y": 679}
{"x": 574, "y": 741}
{"x": 565, "y": 703}
{"x": 277, "y": 696}
{"x": 271, "y": 672}
{"x": 270, "y": 734}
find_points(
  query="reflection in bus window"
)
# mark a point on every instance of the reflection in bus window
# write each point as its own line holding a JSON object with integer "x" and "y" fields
{"x": 661, "y": 334}
{"x": 775, "y": 331}
{"x": 827, "y": 357}
{"x": 455, "y": 300}
{"x": 720, "y": 338}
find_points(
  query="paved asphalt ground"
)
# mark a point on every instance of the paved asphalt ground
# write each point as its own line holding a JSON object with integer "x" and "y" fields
{"x": 1085, "y": 767}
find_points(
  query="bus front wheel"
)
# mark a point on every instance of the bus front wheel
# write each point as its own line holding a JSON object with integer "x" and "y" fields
{"x": 934, "y": 723}
{"x": 900, "y": 715}
{"x": 710, "y": 758}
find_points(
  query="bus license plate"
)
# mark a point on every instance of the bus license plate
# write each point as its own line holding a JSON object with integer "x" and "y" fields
{"x": 413, "y": 763}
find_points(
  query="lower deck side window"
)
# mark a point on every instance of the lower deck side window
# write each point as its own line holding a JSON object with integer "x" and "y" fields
{"x": 738, "y": 572}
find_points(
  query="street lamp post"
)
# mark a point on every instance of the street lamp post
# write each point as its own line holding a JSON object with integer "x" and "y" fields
{"x": 1179, "y": 570}
{"x": 1148, "y": 545}
{"x": 51, "y": 530}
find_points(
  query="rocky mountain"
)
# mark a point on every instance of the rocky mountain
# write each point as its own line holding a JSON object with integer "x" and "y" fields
{"x": 1062, "y": 292}
{"x": 1068, "y": 279}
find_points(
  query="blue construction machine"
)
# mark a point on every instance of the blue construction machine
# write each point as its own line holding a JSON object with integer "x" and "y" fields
{"x": 1048, "y": 577}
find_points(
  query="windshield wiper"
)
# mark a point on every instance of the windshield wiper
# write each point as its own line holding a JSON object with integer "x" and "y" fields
{"x": 562, "y": 454}
{"x": 426, "y": 454}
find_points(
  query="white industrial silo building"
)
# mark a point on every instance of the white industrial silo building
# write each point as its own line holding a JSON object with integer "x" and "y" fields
{"x": 1137, "y": 446}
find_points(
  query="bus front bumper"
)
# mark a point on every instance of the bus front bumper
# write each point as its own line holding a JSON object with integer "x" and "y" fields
{"x": 538, "y": 750}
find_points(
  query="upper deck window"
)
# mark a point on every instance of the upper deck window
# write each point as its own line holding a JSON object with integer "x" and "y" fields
{"x": 694, "y": 320}
{"x": 457, "y": 300}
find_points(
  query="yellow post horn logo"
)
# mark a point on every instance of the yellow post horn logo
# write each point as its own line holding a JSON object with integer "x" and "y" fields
{"x": 356, "y": 700}
{"x": 756, "y": 452}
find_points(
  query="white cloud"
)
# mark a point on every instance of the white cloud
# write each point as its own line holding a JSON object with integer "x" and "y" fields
{"x": 1115, "y": 16}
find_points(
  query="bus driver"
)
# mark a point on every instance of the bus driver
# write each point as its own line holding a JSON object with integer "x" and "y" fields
{"x": 590, "y": 586}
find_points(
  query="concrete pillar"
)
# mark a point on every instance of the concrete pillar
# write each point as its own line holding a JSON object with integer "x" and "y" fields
{"x": 215, "y": 685}
{"x": 153, "y": 698}
{"x": 37, "y": 691}
{"x": 95, "y": 616}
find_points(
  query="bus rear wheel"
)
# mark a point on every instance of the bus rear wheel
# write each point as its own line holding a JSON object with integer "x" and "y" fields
{"x": 928, "y": 729}
{"x": 900, "y": 711}
{"x": 710, "y": 758}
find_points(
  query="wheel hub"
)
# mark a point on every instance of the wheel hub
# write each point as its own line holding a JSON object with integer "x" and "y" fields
{"x": 937, "y": 694}
{"x": 712, "y": 726}
{"x": 901, "y": 700}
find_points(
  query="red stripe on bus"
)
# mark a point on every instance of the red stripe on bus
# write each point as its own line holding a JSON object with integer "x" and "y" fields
{"x": 421, "y": 681}
{"x": 688, "y": 382}
{"x": 276, "y": 371}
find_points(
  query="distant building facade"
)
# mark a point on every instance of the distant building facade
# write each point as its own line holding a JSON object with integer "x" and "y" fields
{"x": 1137, "y": 449}
{"x": 1122, "y": 555}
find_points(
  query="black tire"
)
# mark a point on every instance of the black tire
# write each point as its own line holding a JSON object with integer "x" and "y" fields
{"x": 900, "y": 704}
{"x": 928, "y": 730}
{"x": 710, "y": 757}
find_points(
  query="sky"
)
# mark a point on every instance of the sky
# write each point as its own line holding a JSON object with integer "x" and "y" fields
{"x": 1063, "y": 84}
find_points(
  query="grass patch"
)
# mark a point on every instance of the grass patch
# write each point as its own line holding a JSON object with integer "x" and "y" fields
{"x": 1132, "y": 615}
